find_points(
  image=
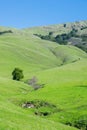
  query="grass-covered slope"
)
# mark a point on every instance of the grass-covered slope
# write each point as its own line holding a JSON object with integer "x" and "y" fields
{"x": 59, "y": 28}
{"x": 33, "y": 54}
{"x": 68, "y": 33}
{"x": 62, "y": 70}
{"x": 14, "y": 117}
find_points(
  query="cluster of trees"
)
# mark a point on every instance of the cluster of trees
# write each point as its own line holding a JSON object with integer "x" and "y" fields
{"x": 84, "y": 37}
{"x": 61, "y": 39}
{"x": 3, "y": 32}
{"x": 65, "y": 37}
{"x": 83, "y": 44}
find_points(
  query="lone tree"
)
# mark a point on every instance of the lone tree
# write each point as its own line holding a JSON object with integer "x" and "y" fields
{"x": 17, "y": 74}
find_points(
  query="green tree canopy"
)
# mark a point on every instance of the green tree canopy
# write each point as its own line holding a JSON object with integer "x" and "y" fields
{"x": 17, "y": 74}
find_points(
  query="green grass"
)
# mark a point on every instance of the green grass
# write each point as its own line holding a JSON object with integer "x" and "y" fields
{"x": 63, "y": 70}
{"x": 13, "y": 117}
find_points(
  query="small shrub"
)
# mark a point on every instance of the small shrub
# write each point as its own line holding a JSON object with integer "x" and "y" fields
{"x": 42, "y": 113}
{"x": 34, "y": 83}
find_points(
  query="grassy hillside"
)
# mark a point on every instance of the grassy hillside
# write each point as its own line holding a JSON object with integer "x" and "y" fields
{"x": 63, "y": 71}
{"x": 14, "y": 117}
{"x": 68, "y": 33}
{"x": 58, "y": 28}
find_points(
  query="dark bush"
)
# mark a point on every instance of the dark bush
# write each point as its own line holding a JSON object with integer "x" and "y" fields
{"x": 84, "y": 28}
{"x": 17, "y": 74}
{"x": 42, "y": 113}
{"x": 81, "y": 123}
{"x": 64, "y": 25}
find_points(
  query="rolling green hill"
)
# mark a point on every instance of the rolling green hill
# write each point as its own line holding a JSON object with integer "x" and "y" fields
{"x": 61, "y": 103}
{"x": 68, "y": 34}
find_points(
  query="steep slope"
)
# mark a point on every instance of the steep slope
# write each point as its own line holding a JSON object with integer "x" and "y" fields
{"x": 30, "y": 53}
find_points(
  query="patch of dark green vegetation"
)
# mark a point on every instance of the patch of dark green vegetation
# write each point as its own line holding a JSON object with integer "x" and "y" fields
{"x": 41, "y": 108}
{"x": 84, "y": 37}
{"x": 83, "y": 44}
{"x": 61, "y": 39}
{"x": 80, "y": 123}
{"x": 72, "y": 37}
{"x": 82, "y": 28}
{"x": 4, "y": 32}
{"x": 17, "y": 74}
